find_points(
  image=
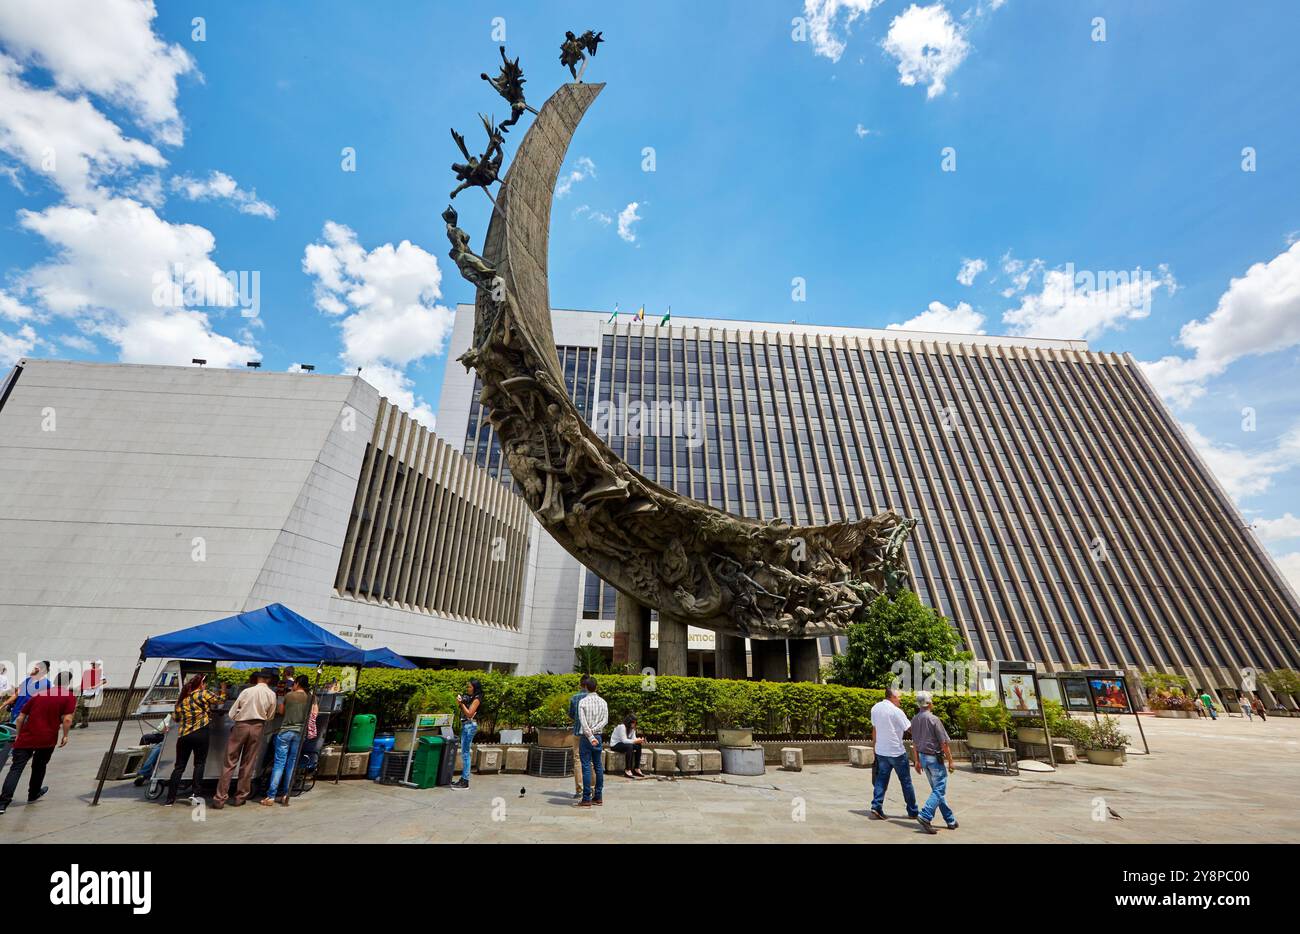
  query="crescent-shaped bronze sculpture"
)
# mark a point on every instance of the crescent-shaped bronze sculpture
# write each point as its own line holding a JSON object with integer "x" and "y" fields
{"x": 703, "y": 566}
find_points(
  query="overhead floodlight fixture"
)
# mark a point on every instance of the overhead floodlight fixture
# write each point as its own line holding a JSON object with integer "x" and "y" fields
{"x": 307, "y": 367}
{"x": 254, "y": 364}
{"x": 199, "y": 361}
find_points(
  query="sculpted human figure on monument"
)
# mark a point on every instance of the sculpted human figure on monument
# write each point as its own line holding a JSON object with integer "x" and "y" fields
{"x": 574, "y": 49}
{"x": 479, "y": 171}
{"x": 510, "y": 85}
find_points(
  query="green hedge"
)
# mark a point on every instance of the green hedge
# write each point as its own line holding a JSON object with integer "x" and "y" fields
{"x": 677, "y": 706}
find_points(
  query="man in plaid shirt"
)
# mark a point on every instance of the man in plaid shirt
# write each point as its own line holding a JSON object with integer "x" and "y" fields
{"x": 593, "y": 714}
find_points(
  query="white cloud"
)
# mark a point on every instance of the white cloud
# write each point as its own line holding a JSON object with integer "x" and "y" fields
{"x": 219, "y": 186}
{"x": 1258, "y": 314}
{"x": 118, "y": 267}
{"x": 829, "y": 22}
{"x": 939, "y": 317}
{"x": 1283, "y": 528}
{"x": 66, "y": 140}
{"x": 1244, "y": 474}
{"x": 1083, "y": 304}
{"x": 102, "y": 47}
{"x": 16, "y": 345}
{"x": 928, "y": 46}
{"x": 585, "y": 168}
{"x": 626, "y": 218}
{"x": 387, "y": 301}
{"x": 399, "y": 389}
{"x": 1289, "y": 565}
{"x": 13, "y": 309}
{"x": 970, "y": 268}
{"x": 600, "y": 217}
{"x": 861, "y": 131}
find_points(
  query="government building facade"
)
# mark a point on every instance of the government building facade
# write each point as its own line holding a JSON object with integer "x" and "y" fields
{"x": 1064, "y": 518}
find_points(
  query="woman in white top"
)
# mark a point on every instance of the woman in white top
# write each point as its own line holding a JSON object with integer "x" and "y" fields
{"x": 626, "y": 741}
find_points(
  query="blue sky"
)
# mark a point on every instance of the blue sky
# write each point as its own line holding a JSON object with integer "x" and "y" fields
{"x": 790, "y": 140}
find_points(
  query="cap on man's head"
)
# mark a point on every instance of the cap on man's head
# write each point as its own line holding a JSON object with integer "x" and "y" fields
{"x": 923, "y": 699}
{"x": 269, "y": 673}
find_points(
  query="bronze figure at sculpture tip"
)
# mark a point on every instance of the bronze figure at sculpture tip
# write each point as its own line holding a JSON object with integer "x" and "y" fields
{"x": 479, "y": 171}
{"x": 575, "y": 49}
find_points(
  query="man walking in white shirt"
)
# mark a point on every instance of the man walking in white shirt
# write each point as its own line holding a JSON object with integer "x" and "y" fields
{"x": 593, "y": 714}
{"x": 888, "y": 724}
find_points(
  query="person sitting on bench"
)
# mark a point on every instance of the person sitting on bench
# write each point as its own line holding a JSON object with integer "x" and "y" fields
{"x": 626, "y": 741}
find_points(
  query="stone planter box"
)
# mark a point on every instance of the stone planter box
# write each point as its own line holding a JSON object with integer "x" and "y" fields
{"x": 1106, "y": 756}
{"x": 1032, "y": 734}
{"x": 737, "y": 738}
{"x": 1176, "y": 714}
{"x": 742, "y": 761}
{"x": 861, "y": 757}
{"x": 553, "y": 737}
{"x": 977, "y": 740}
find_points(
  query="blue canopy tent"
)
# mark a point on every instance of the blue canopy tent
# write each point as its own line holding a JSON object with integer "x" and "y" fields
{"x": 274, "y": 631}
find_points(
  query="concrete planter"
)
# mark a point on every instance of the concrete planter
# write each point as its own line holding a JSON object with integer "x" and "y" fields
{"x": 738, "y": 738}
{"x": 1032, "y": 734}
{"x": 554, "y": 737}
{"x": 742, "y": 761}
{"x": 1106, "y": 756}
{"x": 976, "y": 740}
{"x": 1176, "y": 714}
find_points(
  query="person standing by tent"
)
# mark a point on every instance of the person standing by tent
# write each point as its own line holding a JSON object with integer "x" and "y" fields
{"x": 295, "y": 708}
{"x": 192, "y": 714}
{"x": 252, "y": 709}
{"x": 471, "y": 705}
{"x": 38, "y": 733}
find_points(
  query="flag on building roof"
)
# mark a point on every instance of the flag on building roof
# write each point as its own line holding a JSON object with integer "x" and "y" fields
{"x": 614, "y": 315}
{"x": 640, "y": 314}
{"x": 667, "y": 315}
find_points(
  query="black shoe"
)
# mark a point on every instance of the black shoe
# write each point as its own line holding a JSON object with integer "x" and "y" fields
{"x": 140, "y": 780}
{"x": 878, "y": 815}
{"x": 170, "y": 802}
{"x": 40, "y": 794}
{"x": 925, "y": 824}
{"x": 953, "y": 826}
{"x": 3, "y": 808}
{"x": 460, "y": 784}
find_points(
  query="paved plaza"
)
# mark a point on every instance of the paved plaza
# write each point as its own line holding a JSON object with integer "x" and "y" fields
{"x": 1224, "y": 781}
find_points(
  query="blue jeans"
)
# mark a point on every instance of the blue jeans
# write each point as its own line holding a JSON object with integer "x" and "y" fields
{"x": 937, "y": 772}
{"x": 885, "y": 765}
{"x": 592, "y": 758}
{"x": 146, "y": 767}
{"x": 467, "y": 731}
{"x": 286, "y": 751}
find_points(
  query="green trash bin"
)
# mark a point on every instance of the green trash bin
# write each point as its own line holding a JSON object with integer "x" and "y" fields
{"x": 428, "y": 753}
{"x": 362, "y": 736}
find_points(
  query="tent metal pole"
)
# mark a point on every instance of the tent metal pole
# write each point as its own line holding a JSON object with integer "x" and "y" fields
{"x": 347, "y": 727}
{"x": 117, "y": 731}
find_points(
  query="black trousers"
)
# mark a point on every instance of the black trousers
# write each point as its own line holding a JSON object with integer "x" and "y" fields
{"x": 631, "y": 755}
{"x": 39, "y": 758}
{"x": 196, "y": 744}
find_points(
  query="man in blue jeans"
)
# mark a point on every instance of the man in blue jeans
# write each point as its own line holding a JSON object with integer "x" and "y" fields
{"x": 888, "y": 724}
{"x": 934, "y": 757}
{"x": 593, "y": 714}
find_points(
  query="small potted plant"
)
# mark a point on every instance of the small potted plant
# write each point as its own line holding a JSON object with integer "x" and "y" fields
{"x": 1106, "y": 742}
{"x": 731, "y": 711}
{"x": 551, "y": 719}
{"x": 985, "y": 723}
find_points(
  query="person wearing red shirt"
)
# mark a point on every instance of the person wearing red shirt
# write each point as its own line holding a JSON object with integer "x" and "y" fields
{"x": 38, "y": 733}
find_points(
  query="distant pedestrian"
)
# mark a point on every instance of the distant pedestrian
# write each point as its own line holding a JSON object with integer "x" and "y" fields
{"x": 92, "y": 693}
{"x": 44, "y": 723}
{"x": 7, "y": 695}
{"x": 626, "y": 741}
{"x": 1258, "y": 706}
{"x": 192, "y": 715}
{"x": 249, "y": 714}
{"x": 1200, "y": 708}
{"x": 296, "y": 709}
{"x": 1208, "y": 701}
{"x": 934, "y": 758}
{"x": 888, "y": 724}
{"x": 593, "y": 714}
{"x": 1244, "y": 701}
{"x": 576, "y": 739}
{"x": 471, "y": 705}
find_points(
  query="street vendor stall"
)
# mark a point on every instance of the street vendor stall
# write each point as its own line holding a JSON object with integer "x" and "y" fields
{"x": 273, "y": 632}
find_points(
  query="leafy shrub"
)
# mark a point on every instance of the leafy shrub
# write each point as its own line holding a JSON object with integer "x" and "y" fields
{"x": 1106, "y": 734}
{"x": 978, "y": 717}
{"x": 893, "y": 630}
{"x": 554, "y": 711}
{"x": 1170, "y": 700}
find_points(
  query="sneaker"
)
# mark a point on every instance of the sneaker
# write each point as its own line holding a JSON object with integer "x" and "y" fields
{"x": 582, "y": 804}
{"x": 953, "y": 826}
{"x": 3, "y": 808}
{"x": 877, "y": 815}
{"x": 462, "y": 784}
{"x": 40, "y": 794}
{"x": 925, "y": 824}
{"x": 170, "y": 802}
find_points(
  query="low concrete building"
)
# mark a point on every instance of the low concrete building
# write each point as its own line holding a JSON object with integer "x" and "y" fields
{"x": 136, "y": 500}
